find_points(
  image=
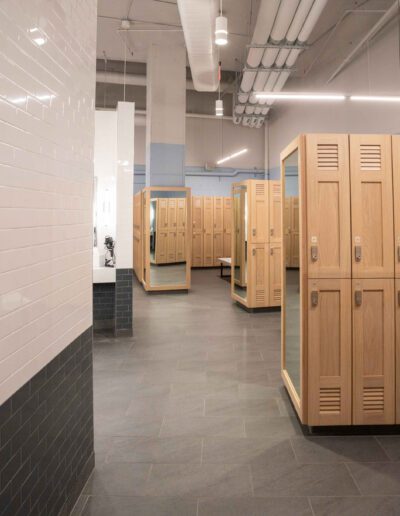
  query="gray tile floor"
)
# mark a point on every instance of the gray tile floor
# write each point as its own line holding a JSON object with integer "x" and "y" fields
{"x": 191, "y": 419}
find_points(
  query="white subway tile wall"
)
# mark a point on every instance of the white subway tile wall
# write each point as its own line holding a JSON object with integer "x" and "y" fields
{"x": 47, "y": 86}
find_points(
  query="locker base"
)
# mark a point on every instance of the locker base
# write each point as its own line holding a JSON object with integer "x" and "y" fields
{"x": 259, "y": 309}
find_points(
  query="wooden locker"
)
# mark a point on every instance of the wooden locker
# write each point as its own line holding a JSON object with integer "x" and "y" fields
{"x": 287, "y": 231}
{"x": 295, "y": 233}
{"x": 257, "y": 275}
{"x": 208, "y": 254}
{"x": 328, "y": 205}
{"x": 218, "y": 214}
{"x": 373, "y": 352}
{"x": 218, "y": 247}
{"x": 172, "y": 213}
{"x": 197, "y": 250}
{"x": 181, "y": 245}
{"x": 227, "y": 227}
{"x": 329, "y": 352}
{"x": 197, "y": 214}
{"x": 162, "y": 214}
{"x": 181, "y": 213}
{"x": 372, "y": 206}
{"x": 258, "y": 211}
{"x": 274, "y": 276}
{"x": 171, "y": 246}
{"x": 396, "y": 197}
{"x": 275, "y": 222}
{"x": 161, "y": 251}
{"x": 397, "y": 320}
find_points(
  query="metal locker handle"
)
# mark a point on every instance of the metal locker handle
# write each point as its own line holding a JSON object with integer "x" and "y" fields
{"x": 357, "y": 253}
{"x": 358, "y": 297}
{"x": 254, "y": 252}
{"x": 314, "y": 298}
{"x": 398, "y": 297}
{"x": 314, "y": 253}
{"x": 254, "y": 232}
{"x": 398, "y": 253}
{"x": 272, "y": 232}
{"x": 271, "y": 251}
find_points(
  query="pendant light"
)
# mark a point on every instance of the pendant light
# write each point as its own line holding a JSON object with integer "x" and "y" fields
{"x": 221, "y": 28}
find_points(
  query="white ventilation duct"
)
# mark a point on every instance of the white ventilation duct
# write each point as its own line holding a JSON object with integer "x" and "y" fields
{"x": 198, "y": 22}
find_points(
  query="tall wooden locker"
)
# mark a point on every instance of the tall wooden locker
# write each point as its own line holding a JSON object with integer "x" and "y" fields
{"x": 197, "y": 231}
{"x": 397, "y": 320}
{"x": 275, "y": 221}
{"x": 328, "y": 206}
{"x": 274, "y": 276}
{"x": 396, "y": 197}
{"x": 208, "y": 254}
{"x": 227, "y": 227}
{"x": 257, "y": 275}
{"x": 162, "y": 214}
{"x": 172, "y": 214}
{"x": 181, "y": 213}
{"x": 258, "y": 212}
{"x": 329, "y": 352}
{"x": 287, "y": 230}
{"x": 162, "y": 246}
{"x": 180, "y": 245}
{"x": 295, "y": 232}
{"x": 373, "y": 352}
{"x": 171, "y": 246}
{"x": 372, "y": 206}
{"x": 218, "y": 228}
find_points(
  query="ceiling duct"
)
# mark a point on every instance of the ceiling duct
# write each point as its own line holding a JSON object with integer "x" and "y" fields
{"x": 293, "y": 22}
{"x": 198, "y": 22}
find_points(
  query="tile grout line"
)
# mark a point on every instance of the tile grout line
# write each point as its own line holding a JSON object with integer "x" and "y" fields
{"x": 346, "y": 465}
{"x": 202, "y": 450}
{"x": 381, "y": 447}
{"x": 310, "y": 504}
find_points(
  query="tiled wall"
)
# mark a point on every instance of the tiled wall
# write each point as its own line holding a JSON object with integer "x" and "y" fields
{"x": 104, "y": 306}
{"x": 46, "y": 436}
{"x": 47, "y": 82}
{"x": 123, "y": 301}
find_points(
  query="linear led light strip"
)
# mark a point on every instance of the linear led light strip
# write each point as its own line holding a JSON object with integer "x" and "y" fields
{"x": 329, "y": 97}
{"x": 239, "y": 153}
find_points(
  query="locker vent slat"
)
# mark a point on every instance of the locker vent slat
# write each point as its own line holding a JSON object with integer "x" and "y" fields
{"x": 373, "y": 399}
{"x": 277, "y": 294}
{"x": 260, "y": 189}
{"x": 370, "y": 157}
{"x": 328, "y": 156}
{"x": 276, "y": 188}
{"x": 260, "y": 295}
{"x": 329, "y": 400}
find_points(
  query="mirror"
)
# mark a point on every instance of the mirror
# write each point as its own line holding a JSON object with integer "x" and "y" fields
{"x": 292, "y": 275}
{"x": 240, "y": 241}
{"x": 167, "y": 238}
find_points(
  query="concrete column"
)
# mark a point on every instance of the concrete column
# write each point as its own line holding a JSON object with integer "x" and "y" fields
{"x": 166, "y": 109}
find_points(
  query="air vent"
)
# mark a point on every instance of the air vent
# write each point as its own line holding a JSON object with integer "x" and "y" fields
{"x": 260, "y": 188}
{"x": 277, "y": 294}
{"x": 329, "y": 400}
{"x": 370, "y": 157}
{"x": 373, "y": 399}
{"x": 260, "y": 295}
{"x": 328, "y": 156}
{"x": 276, "y": 188}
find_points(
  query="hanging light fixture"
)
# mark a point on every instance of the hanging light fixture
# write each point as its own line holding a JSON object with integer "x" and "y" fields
{"x": 219, "y": 105}
{"x": 221, "y": 28}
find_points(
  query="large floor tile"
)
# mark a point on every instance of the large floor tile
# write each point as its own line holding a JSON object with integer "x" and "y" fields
{"x": 264, "y": 426}
{"x": 127, "y": 425}
{"x": 239, "y": 407}
{"x": 255, "y": 507}
{"x": 117, "y": 479}
{"x": 391, "y": 445}
{"x": 376, "y": 478}
{"x": 228, "y": 426}
{"x": 356, "y": 506}
{"x": 138, "y": 506}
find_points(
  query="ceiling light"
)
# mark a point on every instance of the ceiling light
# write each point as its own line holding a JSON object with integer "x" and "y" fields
{"x": 219, "y": 108}
{"x": 375, "y": 98}
{"x": 235, "y": 155}
{"x": 221, "y": 30}
{"x": 37, "y": 37}
{"x": 299, "y": 96}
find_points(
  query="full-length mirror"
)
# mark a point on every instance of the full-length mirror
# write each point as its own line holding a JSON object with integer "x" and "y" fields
{"x": 240, "y": 241}
{"x": 167, "y": 239}
{"x": 292, "y": 349}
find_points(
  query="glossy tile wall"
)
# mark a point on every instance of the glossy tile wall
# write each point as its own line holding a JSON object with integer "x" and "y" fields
{"x": 47, "y": 83}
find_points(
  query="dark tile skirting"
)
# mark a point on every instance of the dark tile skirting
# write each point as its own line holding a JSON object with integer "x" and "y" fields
{"x": 46, "y": 436}
{"x": 123, "y": 301}
{"x": 103, "y": 306}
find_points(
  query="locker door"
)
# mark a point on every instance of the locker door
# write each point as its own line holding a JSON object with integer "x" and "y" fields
{"x": 181, "y": 213}
{"x": 275, "y": 289}
{"x": 218, "y": 247}
{"x": 396, "y": 196}
{"x": 227, "y": 227}
{"x": 258, "y": 212}
{"x": 287, "y": 229}
{"x": 295, "y": 232}
{"x": 161, "y": 254}
{"x": 172, "y": 214}
{"x": 329, "y": 352}
{"x": 181, "y": 245}
{"x": 197, "y": 250}
{"x": 218, "y": 207}
{"x": 373, "y": 352}
{"x": 197, "y": 214}
{"x": 275, "y": 222}
{"x": 397, "y": 303}
{"x": 162, "y": 214}
{"x": 171, "y": 246}
{"x": 257, "y": 280}
{"x": 208, "y": 255}
{"x": 372, "y": 206}
{"x": 328, "y": 206}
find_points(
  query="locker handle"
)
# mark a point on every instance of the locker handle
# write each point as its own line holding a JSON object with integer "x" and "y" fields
{"x": 398, "y": 253}
{"x": 271, "y": 251}
{"x": 398, "y": 297}
{"x": 358, "y": 297}
{"x": 271, "y": 232}
{"x": 314, "y": 253}
{"x": 357, "y": 253}
{"x": 314, "y": 298}
{"x": 254, "y": 252}
{"x": 254, "y": 232}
